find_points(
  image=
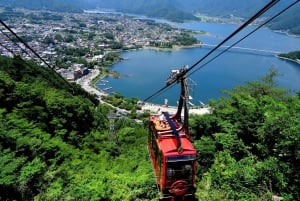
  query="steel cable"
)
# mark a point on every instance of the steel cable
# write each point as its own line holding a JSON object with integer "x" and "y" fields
{"x": 258, "y": 14}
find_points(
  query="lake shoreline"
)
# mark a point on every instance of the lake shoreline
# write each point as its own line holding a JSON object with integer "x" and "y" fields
{"x": 288, "y": 59}
{"x": 286, "y": 33}
{"x": 175, "y": 48}
{"x": 228, "y": 71}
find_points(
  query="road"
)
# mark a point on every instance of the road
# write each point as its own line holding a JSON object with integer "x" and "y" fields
{"x": 85, "y": 83}
{"x": 172, "y": 109}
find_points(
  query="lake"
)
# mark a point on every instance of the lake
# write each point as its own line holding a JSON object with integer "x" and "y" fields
{"x": 145, "y": 71}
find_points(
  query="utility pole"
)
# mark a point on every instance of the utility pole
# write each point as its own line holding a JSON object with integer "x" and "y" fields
{"x": 112, "y": 134}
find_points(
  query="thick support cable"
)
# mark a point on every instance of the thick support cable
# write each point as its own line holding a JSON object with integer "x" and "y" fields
{"x": 175, "y": 132}
{"x": 257, "y": 28}
{"x": 34, "y": 52}
{"x": 254, "y": 17}
{"x": 258, "y": 14}
{"x": 9, "y": 50}
{"x": 22, "y": 49}
{"x": 24, "y": 43}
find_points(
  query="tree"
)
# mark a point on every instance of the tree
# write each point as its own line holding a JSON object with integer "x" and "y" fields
{"x": 58, "y": 37}
{"x": 48, "y": 40}
{"x": 53, "y": 142}
{"x": 255, "y": 128}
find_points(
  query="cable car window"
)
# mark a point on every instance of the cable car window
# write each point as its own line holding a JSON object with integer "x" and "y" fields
{"x": 182, "y": 170}
{"x": 181, "y": 158}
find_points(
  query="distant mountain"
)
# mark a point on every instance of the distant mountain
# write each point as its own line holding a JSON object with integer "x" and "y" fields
{"x": 155, "y": 8}
{"x": 289, "y": 21}
{"x": 219, "y": 8}
{"x": 52, "y": 5}
{"x": 223, "y": 8}
{"x": 175, "y": 10}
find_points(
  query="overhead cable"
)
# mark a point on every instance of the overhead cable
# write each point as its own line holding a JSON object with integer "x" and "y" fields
{"x": 9, "y": 50}
{"x": 254, "y": 17}
{"x": 253, "y": 31}
{"x": 258, "y": 14}
{"x": 34, "y": 52}
{"x": 12, "y": 40}
{"x": 26, "y": 45}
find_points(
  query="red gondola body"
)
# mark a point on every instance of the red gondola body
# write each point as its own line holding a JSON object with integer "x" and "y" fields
{"x": 172, "y": 154}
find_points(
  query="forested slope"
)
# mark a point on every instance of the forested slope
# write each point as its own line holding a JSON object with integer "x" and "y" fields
{"x": 249, "y": 146}
{"x": 295, "y": 55}
{"x": 54, "y": 142}
{"x": 53, "y": 5}
{"x": 183, "y": 10}
{"x": 174, "y": 10}
{"x": 288, "y": 22}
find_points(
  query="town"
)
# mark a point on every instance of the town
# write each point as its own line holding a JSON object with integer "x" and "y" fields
{"x": 73, "y": 43}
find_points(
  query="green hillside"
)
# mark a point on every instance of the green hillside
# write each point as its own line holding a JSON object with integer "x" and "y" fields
{"x": 289, "y": 22}
{"x": 183, "y": 10}
{"x": 249, "y": 146}
{"x": 292, "y": 56}
{"x": 53, "y": 5}
{"x": 175, "y": 10}
{"x": 54, "y": 143}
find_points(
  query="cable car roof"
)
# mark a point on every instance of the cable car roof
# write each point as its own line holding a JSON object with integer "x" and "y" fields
{"x": 169, "y": 146}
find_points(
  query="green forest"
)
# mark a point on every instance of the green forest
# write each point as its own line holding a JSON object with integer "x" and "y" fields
{"x": 55, "y": 143}
{"x": 291, "y": 55}
{"x": 173, "y": 10}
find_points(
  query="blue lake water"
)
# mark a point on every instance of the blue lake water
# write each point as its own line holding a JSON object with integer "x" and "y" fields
{"x": 146, "y": 70}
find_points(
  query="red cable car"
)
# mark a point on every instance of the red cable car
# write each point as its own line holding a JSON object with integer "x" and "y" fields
{"x": 172, "y": 153}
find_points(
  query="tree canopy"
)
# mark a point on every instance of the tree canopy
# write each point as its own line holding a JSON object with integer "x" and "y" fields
{"x": 249, "y": 146}
{"x": 55, "y": 142}
{"x": 295, "y": 55}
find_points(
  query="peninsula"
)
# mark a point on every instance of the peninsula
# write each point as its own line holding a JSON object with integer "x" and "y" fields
{"x": 73, "y": 43}
{"x": 292, "y": 56}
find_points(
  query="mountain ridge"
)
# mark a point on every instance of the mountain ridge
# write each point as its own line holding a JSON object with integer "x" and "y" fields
{"x": 176, "y": 10}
